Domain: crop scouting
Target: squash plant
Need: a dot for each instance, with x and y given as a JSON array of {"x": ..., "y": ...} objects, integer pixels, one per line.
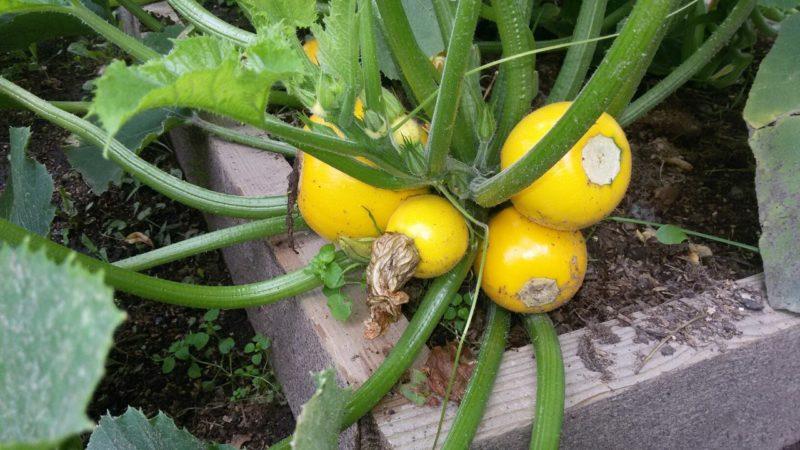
[{"x": 364, "y": 131}]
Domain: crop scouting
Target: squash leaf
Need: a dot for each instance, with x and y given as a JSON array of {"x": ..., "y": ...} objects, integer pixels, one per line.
[
  {"x": 296, "y": 13},
  {"x": 132, "y": 431},
  {"x": 772, "y": 112},
  {"x": 29, "y": 189},
  {"x": 319, "y": 423},
  {"x": 202, "y": 72},
  {"x": 56, "y": 327},
  {"x": 338, "y": 43}
]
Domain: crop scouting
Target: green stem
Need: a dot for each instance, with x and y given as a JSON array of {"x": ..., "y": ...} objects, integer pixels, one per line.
[
  {"x": 194, "y": 296},
  {"x": 214, "y": 240},
  {"x": 444, "y": 116},
  {"x": 72, "y": 107},
  {"x": 473, "y": 403},
  {"x": 405, "y": 350},
  {"x": 231, "y": 135},
  {"x": 519, "y": 76},
  {"x": 640, "y": 36},
  {"x": 373, "y": 93},
  {"x": 174, "y": 188},
  {"x": 761, "y": 23},
  {"x": 616, "y": 16},
  {"x": 144, "y": 17},
  {"x": 689, "y": 232},
  {"x": 113, "y": 34},
  {"x": 211, "y": 24},
  {"x": 576, "y": 63},
  {"x": 417, "y": 70},
  {"x": 549, "y": 413},
  {"x": 340, "y": 154},
  {"x": 691, "y": 66}
]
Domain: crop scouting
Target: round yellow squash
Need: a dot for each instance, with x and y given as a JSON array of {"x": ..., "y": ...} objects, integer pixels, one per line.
[
  {"x": 334, "y": 204},
  {"x": 585, "y": 185},
  {"x": 439, "y": 232},
  {"x": 530, "y": 268}
]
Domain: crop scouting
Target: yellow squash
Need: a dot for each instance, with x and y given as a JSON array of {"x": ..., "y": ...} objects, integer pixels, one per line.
[
  {"x": 530, "y": 268},
  {"x": 439, "y": 232},
  {"x": 334, "y": 204},
  {"x": 311, "y": 47},
  {"x": 585, "y": 185}
]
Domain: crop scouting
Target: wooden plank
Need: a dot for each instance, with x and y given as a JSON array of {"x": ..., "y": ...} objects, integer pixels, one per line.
[{"x": 724, "y": 389}]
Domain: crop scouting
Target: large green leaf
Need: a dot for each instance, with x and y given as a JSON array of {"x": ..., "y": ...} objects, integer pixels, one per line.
[
  {"x": 771, "y": 107},
  {"x": 100, "y": 172},
  {"x": 56, "y": 326},
  {"x": 775, "y": 90},
  {"x": 202, "y": 72},
  {"x": 319, "y": 423},
  {"x": 133, "y": 431},
  {"x": 296, "y": 13},
  {"x": 338, "y": 42},
  {"x": 19, "y": 31},
  {"x": 26, "y": 198}
]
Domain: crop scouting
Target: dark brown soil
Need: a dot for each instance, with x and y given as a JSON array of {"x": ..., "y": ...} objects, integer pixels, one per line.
[{"x": 132, "y": 377}]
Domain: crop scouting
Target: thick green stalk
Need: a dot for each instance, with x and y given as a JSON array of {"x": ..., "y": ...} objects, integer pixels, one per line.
[
  {"x": 519, "y": 76},
  {"x": 114, "y": 35},
  {"x": 373, "y": 93},
  {"x": 640, "y": 37},
  {"x": 616, "y": 16},
  {"x": 211, "y": 24},
  {"x": 761, "y": 23},
  {"x": 72, "y": 107},
  {"x": 144, "y": 17},
  {"x": 417, "y": 70},
  {"x": 214, "y": 240},
  {"x": 444, "y": 116},
  {"x": 405, "y": 350},
  {"x": 691, "y": 66},
  {"x": 550, "y": 382},
  {"x": 473, "y": 403},
  {"x": 229, "y": 134},
  {"x": 151, "y": 288},
  {"x": 576, "y": 63},
  {"x": 174, "y": 188}
]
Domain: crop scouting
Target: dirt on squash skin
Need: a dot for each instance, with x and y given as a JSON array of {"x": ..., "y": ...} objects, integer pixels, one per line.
[{"x": 97, "y": 225}]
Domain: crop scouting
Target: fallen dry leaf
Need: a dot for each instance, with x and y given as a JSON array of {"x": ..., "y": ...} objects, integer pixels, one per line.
[
  {"x": 138, "y": 238},
  {"x": 680, "y": 163},
  {"x": 439, "y": 366},
  {"x": 645, "y": 235},
  {"x": 696, "y": 252}
]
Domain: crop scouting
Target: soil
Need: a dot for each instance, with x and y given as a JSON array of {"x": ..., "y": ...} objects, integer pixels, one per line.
[{"x": 98, "y": 225}]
